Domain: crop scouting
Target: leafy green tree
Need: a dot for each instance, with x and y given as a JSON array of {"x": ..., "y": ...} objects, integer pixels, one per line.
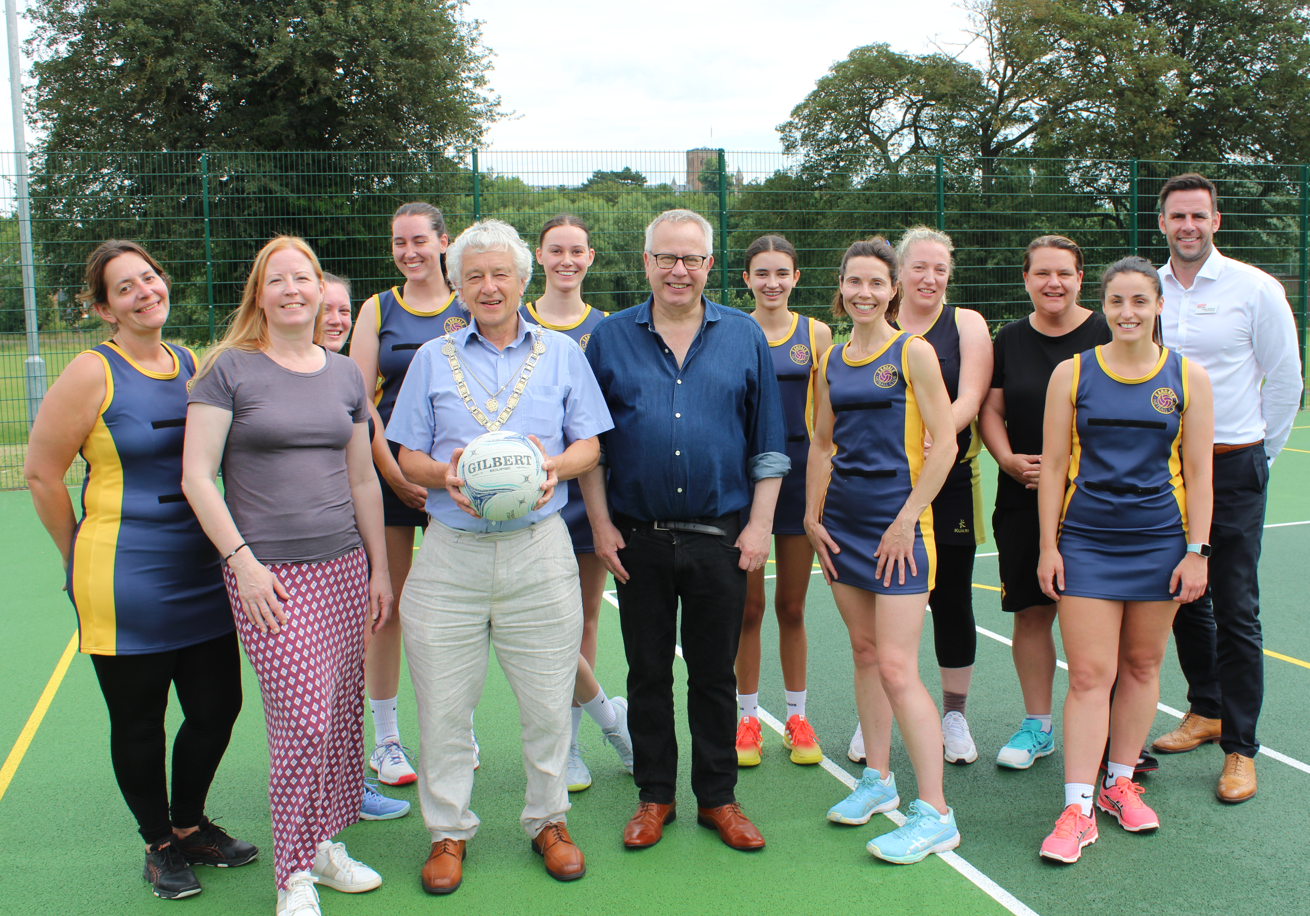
[{"x": 625, "y": 178}]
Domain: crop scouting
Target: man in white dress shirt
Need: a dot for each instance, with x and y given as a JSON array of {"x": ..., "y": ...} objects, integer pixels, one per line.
[{"x": 1234, "y": 320}]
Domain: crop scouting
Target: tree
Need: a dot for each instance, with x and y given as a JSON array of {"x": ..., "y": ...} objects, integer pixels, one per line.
[
  {"x": 173, "y": 75},
  {"x": 627, "y": 178}
]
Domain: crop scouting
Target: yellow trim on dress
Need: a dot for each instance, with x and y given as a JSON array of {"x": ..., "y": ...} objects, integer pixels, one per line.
[
  {"x": 395, "y": 291},
  {"x": 95, "y": 547},
  {"x": 1159, "y": 364},
  {"x": 795, "y": 320},
  {"x": 177, "y": 363},
  {"x": 1176, "y": 455},
  {"x": 1075, "y": 446},
  {"x": 872, "y": 356},
  {"x": 915, "y": 432},
  {"x": 812, "y": 386},
  {"x": 532, "y": 310}
]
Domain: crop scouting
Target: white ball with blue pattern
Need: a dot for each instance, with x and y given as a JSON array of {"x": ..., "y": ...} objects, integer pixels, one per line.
[{"x": 503, "y": 473}]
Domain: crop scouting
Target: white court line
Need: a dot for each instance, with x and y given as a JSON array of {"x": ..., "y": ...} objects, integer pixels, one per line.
[
  {"x": 961, "y": 865},
  {"x": 1169, "y": 710},
  {"x": 1286, "y": 524}
]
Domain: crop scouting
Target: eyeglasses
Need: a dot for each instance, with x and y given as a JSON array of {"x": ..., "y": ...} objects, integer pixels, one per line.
[{"x": 689, "y": 261}]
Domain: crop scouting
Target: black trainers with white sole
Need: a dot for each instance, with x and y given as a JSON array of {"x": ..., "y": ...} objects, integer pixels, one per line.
[
  {"x": 168, "y": 873},
  {"x": 212, "y": 845}
]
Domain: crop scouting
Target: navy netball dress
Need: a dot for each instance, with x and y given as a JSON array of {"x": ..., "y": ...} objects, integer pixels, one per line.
[
  {"x": 1123, "y": 526},
  {"x": 878, "y": 437},
  {"x": 574, "y": 512},
  {"x": 401, "y": 331},
  {"x": 957, "y": 511},
  {"x": 793, "y": 363},
  {"x": 143, "y": 575}
]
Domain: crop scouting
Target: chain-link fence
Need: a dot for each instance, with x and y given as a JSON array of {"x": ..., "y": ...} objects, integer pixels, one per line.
[{"x": 204, "y": 215}]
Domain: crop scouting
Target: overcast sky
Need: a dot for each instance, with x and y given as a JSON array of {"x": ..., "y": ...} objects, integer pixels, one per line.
[{"x": 606, "y": 75}]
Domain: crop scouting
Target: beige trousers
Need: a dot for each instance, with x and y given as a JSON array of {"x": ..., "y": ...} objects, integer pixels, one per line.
[{"x": 517, "y": 591}]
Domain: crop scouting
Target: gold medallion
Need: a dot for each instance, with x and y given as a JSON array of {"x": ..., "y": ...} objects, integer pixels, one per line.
[
  {"x": 492, "y": 405},
  {"x": 448, "y": 348}
]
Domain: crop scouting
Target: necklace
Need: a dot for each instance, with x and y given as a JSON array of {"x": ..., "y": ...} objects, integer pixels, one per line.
[
  {"x": 491, "y": 403},
  {"x": 457, "y": 371}
]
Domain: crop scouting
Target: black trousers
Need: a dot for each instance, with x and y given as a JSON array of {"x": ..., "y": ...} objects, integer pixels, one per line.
[
  {"x": 953, "y": 633},
  {"x": 1220, "y": 646},
  {"x": 208, "y": 681},
  {"x": 700, "y": 570}
]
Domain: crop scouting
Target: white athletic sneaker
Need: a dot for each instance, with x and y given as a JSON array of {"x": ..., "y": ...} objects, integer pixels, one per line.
[
  {"x": 390, "y": 760},
  {"x": 617, "y": 734},
  {"x": 957, "y": 743},
  {"x": 300, "y": 898},
  {"x": 856, "y": 750},
  {"x": 334, "y": 869},
  {"x": 576, "y": 773}
]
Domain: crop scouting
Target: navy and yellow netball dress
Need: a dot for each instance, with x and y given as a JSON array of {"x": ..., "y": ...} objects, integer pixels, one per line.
[
  {"x": 143, "y": 576},
  {"x": 957, "y": 511},
  {"x": 1123, "y": 527},
  {"x": 793, "y": 363},
  {"x": 401, "y": 331},
  {"x": 574, "y": 512},
  {"x": 878, "y": 437}
]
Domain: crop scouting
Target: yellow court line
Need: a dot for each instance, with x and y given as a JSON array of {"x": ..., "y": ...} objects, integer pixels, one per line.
[
  {"x": 34, "y": 720},
  {"x": 1301, "y": 450},
  {"x": 1277, "y": 655}
]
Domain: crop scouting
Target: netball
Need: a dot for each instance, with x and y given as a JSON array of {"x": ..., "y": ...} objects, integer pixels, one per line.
[{"x": 503, "y": 473}]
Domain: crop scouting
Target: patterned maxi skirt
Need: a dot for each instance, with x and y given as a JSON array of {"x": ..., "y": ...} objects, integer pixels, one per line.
[{"x": 311, "y": 679}]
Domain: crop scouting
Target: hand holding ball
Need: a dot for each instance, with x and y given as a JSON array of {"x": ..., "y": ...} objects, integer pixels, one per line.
[{"x": 503, "y": 473}]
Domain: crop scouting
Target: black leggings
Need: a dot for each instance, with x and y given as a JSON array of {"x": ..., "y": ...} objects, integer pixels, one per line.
[
  {"x": 208, "y": 681},
  {"x": 951, "y": 601}
]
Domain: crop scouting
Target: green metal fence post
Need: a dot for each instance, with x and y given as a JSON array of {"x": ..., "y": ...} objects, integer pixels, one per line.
[
  {"x": 1132, "y": 209},
  {"x": 1305, "y": 268},
  {"x": 477, "y": 190},
  {"x": 209, "y": 251},
  {"x": 723, "y": 227},
  {"x": 941, "y": 196}
]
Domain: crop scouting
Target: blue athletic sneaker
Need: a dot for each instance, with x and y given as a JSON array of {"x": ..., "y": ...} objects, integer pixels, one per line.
[
  {"x": 869, "y": 798},
  {"x": 1025, "y": 746},
  {"x": 922, "y": 834},
  {"x": 377, "y": 807}
]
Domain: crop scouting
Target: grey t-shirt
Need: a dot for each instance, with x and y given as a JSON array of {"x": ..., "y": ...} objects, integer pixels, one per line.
[{"x": 284, "y": 467}]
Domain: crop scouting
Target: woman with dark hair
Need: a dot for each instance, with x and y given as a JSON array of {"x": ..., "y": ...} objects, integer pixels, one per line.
[
  {"x": 299, "y": 527},
  {"x": 388, "y": 332},
  {"x": 1025, "y": 353},
  {"x": 795, "y": 344},
  {"x": 142, "y": 576},
  {"x": 1125, "y": 497},
  {"x": 868, "y": 512},
  {"x": 564, "y": 252}
]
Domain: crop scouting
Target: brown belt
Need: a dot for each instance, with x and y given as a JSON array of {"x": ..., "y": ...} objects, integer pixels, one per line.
[{"x": 1222, "y": 449}]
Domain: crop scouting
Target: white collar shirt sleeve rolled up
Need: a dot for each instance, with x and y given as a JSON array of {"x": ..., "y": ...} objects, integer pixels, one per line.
[{"x": 1236, "y": 323}]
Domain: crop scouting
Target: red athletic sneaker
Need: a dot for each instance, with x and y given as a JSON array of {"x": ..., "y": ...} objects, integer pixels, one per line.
[
  {"x": 804, "y": 744},
  {"x": 1124, "y": 803},
  {"x": 749, "y": 742},
  {"x": 1073, "y": 830}
]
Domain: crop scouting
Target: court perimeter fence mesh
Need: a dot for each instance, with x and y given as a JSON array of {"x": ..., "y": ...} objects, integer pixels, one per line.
[{"x": 204, "y": 216}]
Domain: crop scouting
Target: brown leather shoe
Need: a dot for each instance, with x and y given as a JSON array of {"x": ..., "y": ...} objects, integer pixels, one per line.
[
  {"x": 564, "y": 861},
  {"x": 1190, "y": 734},
  {"x": 1237, "y": 781},
  {"x": 646, "y": 827},
  {"x": 735, "y": 829},
  {"x": 444, "y": 869}
]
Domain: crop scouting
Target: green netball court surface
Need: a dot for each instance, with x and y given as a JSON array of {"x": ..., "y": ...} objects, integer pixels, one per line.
[{"x": 68, "y": 845}]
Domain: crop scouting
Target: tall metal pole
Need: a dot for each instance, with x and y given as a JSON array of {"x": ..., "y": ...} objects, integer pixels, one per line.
[
  {"x": 941, "y": 196},
  {"x": 723, "y": 226},
  {"x": 35, "y": 365},
  {"x": 209, "y": 246},
  {"x": 1132, "y": 209},
  {"x": 477, "y": 190},
  {"x": 1304, "y": 275}
]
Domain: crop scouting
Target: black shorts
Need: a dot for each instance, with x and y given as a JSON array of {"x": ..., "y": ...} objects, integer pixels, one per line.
[
  {"x": 1019, "y": 548},
  {"x": 395, "y": 513}
]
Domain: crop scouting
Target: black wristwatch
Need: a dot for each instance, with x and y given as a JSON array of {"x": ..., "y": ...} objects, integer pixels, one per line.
[{"x": 1202, "y": 549}]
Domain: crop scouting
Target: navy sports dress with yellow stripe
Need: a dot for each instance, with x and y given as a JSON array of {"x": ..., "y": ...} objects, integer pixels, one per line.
[
  {"x": 1123, "y": 526},
  {"x": 574, "y": 512},
  {"x": 401, "y": 331},
  {"x": 793, "y": 363},
  {"x": 143, "y": 576},
  {"x": 877, "y": 435},
  {"x": 957, "y": 510}
]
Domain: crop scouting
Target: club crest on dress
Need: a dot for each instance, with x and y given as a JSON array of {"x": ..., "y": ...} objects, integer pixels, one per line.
[
  {"x": 582, "y": 341},
  {"x": 453, "y": 324},
  {"x": 886, "y": 376},
  {"x": 800, "y": 354},
  {"x": 1164, "y": 400}
]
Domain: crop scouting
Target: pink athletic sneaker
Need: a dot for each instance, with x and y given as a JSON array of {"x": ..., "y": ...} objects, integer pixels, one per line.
[
  {"x": 1124, "y": 804},
  {"x": 1073, "y": 830}
]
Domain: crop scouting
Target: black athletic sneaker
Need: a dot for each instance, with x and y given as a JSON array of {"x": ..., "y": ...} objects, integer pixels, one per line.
[
  {"x": 211, "y": 845},
  {"x": 168, "y": 873}
]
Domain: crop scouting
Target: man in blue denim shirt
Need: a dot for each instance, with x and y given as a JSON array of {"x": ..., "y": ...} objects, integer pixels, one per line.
[{"x": 697, "y": 421}]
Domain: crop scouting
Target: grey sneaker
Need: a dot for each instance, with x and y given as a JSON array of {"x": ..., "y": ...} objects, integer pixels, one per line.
[
  {"x": 576, "y": 773},
  {"x": 617, "y": 734},
  {"x": 957, "y": 743}
]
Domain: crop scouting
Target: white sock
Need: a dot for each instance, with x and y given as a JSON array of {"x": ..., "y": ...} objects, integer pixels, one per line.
[
  {"x": 940, "y": 817},
  {"x": 601, "y": 710},
  {"x": 1080, "y": 794},
  {"x": 577, "y": 722},
  {"x": 384, "y": 720},
  {"x": 1045, "y": 720},
  {"x": 795, "y": 702},
  {"x": 1115, "y": 770},
  {"x": 886, "y": 780},
  {"x": 750, "y": 704}
]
